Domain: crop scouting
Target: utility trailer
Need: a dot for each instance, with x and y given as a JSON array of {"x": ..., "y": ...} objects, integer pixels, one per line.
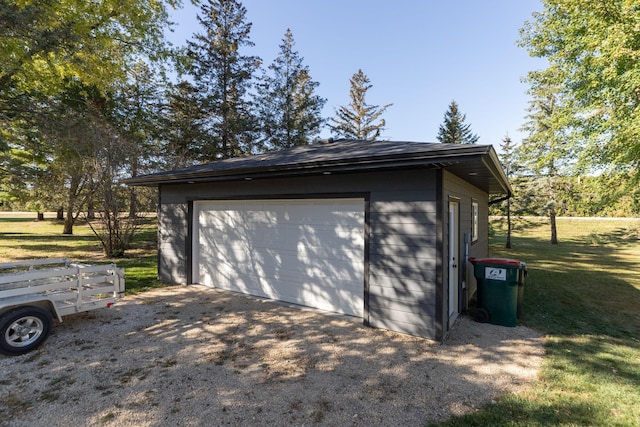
[{"x": 33, "y": 292}]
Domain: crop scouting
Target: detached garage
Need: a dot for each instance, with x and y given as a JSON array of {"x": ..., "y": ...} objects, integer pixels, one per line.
[{"x": 379, "y": 230}]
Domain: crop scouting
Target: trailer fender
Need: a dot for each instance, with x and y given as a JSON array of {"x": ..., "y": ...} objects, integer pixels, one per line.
[{"x": 47, "y": 305}]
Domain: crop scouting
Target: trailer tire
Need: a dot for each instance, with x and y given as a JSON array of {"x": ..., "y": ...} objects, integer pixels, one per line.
[{"x": 23, "y": 329}]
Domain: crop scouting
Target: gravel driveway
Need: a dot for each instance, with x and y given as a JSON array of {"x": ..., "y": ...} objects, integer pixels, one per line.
[{"x": 190, "y": 356}]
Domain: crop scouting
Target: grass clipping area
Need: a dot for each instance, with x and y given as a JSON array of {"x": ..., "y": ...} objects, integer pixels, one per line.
[{"x": 584, "y": 294}]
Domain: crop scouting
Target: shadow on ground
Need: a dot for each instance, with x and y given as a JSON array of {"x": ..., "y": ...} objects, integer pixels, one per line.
[{"x": 193, "y": 356}]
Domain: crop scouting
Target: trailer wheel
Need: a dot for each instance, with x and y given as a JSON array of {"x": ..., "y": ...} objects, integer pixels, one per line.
[{"x": 23, "y": 329}]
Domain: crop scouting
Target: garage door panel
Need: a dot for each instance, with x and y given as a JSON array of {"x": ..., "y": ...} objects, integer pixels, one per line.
[
  {"x": 308, "y": 252},
  {"x": 285, "y": 284},
  {"x": 340, "y": 278},
  {"x": 290, "y": 289},
  {"x": 287, "y": 235},
  {"x": 280, "y": 266},
  {"x": 338, "y": 262}
]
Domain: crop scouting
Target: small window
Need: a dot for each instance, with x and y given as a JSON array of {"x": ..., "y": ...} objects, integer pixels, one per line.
[{"x": 474, "y": 220}]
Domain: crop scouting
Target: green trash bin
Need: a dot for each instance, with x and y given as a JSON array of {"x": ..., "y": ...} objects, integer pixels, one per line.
[{"x": 498, "y": 289}]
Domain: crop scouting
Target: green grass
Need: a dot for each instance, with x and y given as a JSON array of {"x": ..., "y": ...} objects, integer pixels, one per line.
[
  {"x": 584, "y": 295},
  {"x": 24, "y": 238}
]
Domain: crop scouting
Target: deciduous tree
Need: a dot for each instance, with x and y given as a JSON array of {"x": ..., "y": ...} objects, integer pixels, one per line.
[
  {"x": 593, "y": 51},
  {"x": 135, "y": 112},
  {"x": 45, "y": 44},
  {"x": 56, "y": 59},
  {"x": 507, "y": 163}
]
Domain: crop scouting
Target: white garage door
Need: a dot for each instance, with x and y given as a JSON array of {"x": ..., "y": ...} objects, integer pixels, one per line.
[{"x": 308, "y": 252}]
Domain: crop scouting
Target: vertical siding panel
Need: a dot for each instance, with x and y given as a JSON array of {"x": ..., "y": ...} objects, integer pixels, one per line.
[
  {"x": 172, "y": 242},
  {"x": 402, "y": 261}
]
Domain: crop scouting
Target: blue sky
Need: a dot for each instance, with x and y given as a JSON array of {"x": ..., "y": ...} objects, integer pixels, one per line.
[{"x": 419, "y": 55}]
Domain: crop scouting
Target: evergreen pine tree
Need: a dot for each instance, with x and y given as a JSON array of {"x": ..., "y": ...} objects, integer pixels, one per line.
[
  {"x": 454, "y": 130},
  {"x": 223, "y": 75},
  {"x": 288, "y": 110},
  {"x": 135, "y": 112},
  {"x": 184, "y": 127},
  {"x": 547, "y": 151},
  {"x": 359, "y": 120},
  {"x": 507, "y": 163}
]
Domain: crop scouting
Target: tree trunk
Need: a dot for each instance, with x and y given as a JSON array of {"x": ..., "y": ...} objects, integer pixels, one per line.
[
  {"x": 91, "y": 211},
  {"x": 133, "y": 201},
  {"x": 68, "y": 223},
  {"x": 554, "y": 231},
  {"x": 552, "y": 208},
  {"x": 60, "y": 213},
  {"x": 40, "y": 216},
  {"x": 133, "y": 197},
  {"x": 71, "y": 201}
]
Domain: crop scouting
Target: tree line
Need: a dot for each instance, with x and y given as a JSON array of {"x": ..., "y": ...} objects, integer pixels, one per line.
[
  {"x": 86, "y": 99},
  {"x": 88, "y": 96}
]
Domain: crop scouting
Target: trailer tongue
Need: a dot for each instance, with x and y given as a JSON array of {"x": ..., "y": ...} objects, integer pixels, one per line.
[{"x": 32, "y": 292}]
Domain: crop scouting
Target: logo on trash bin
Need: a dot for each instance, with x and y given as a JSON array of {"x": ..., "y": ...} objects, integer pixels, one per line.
[{"x": 495, "y": 273}]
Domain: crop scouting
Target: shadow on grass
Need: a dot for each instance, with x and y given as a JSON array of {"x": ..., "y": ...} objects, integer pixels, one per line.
[
  {"x": 23, "y": 219},
  {"x": 584, "y": 295},
  {"x": 512, "y": 410},
  {"x": 616, "y": 236},
  {"x": 141, "y": 273},
  {"x": 24, "y": 238},
  {"x": 576, "y": 288},
  {"x": 39, "y": 247}
]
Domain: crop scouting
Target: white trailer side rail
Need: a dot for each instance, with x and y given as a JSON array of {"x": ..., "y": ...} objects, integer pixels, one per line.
[
  {"x": 69, "y": 287},
  {"x": 32, "y": 292}
]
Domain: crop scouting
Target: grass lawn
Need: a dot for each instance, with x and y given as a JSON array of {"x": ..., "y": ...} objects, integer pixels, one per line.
[
  {"x": 584, "y": 294},
  {"x": 23, "y": 238}
]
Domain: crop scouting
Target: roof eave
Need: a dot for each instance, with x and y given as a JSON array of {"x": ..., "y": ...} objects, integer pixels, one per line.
[
  {"x": 499, "y": 174},
  {"x": 442, "y": 159}
]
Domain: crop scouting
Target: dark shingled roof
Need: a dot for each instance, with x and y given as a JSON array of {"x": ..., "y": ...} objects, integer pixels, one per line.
[{"x": 477, "y": 164}]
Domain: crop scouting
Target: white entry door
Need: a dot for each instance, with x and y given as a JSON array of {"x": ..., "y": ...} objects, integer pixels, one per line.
[
  {"x": 308, "y": 252},
  {"x": 454, "y": 250}
]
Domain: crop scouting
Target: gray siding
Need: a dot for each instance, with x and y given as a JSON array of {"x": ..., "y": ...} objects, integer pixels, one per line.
[
  {"x": 454, "y": 187},
  {"x": 402, "y": 256},
  {"x": 402, "y": 244},
  {"x": 172, "y": 240}
]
